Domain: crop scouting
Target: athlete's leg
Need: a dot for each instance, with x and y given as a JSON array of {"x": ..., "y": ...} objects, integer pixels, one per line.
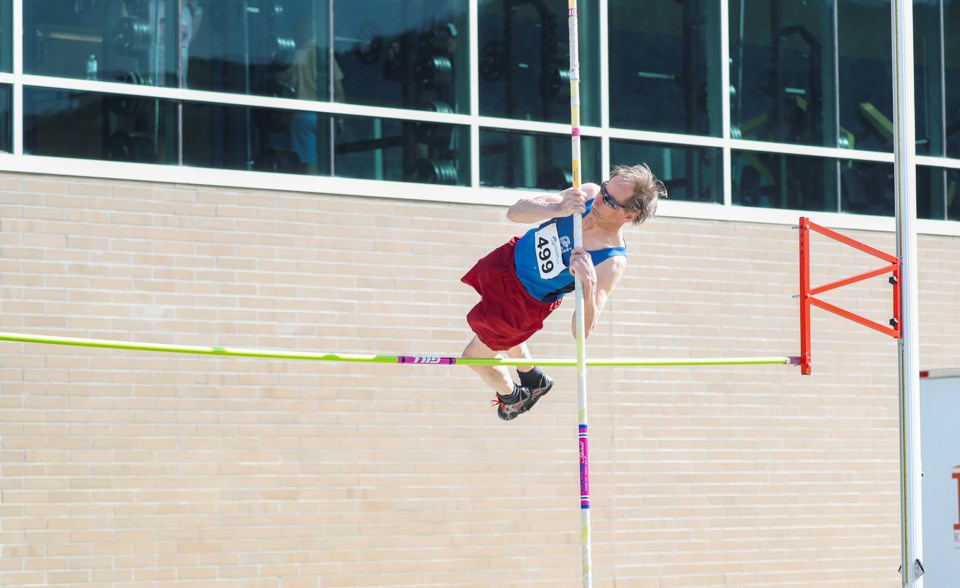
[
  {"x": 495, "y": 376},
  {"x": 521, "y": 351},
  {"x": 530, "y": 376}
]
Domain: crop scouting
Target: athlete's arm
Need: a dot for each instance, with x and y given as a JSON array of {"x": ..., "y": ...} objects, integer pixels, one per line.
[
  {"x": 598, "y": 282},
  {"x": 541, "y": 208}
]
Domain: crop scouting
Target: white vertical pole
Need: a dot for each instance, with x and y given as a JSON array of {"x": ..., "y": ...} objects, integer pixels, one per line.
[
  {"x": 581, "y": 345},
  {"x": 908, "y": 346}
]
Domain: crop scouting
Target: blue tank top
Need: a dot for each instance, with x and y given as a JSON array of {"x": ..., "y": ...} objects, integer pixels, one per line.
[{"x": 543, "y": 254}]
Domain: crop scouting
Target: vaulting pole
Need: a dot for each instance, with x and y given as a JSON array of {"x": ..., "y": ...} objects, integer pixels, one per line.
[
  {"x": 904, "y": 150},
  {"x": 581, "y": 343}
]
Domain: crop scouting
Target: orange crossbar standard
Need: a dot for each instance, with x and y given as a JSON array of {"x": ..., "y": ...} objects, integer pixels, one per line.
[{"x": 808, "y": 295}]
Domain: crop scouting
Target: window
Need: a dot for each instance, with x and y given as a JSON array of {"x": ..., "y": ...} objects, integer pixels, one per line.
[
  {"x": 525, "y": 60},
  {"x": 511, "y": 159},
  {"x": 690, "y": 173},
  {"x": 865, "y": 74},
  {"x": 664, "y": 70},
  {"x": 782, "y": 73},
  {"x": 772, "y": 180},
  {"x": 412, "y": 54},
  {"x": 6, "y": 119},
  {"x": 403, "y": 151},
  {"x": 89, "y": 125},
  {"x": 867, "y": 188},
  {"x": 928, "y": 82},
  {"x": 951, "y": 80},
  {"x": 6, "y": 35}
]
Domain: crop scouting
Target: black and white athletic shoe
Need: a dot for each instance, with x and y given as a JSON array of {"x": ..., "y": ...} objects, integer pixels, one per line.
[{"x": 521, "y": 399}]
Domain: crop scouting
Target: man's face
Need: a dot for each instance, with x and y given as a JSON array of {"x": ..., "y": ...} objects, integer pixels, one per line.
[{"x": 614, "y": 193}]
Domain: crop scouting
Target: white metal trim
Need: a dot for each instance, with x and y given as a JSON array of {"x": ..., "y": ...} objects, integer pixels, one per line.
[
  {"x": 727, "y": 156},
  {"x": 16, "y": 98},
  {"x": 482, "y": 196}
]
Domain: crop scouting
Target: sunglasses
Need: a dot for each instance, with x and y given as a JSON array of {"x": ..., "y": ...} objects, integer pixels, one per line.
[{"x": 608, "y": 199}]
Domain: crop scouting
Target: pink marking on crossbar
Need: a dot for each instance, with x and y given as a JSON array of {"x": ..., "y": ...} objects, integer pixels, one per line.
[
  {"x": 425, "y": 360},
  {"x": 576, "y": 131}
]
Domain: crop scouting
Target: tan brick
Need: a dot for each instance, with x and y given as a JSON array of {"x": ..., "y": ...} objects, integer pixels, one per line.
[{"x": 132, "y": 468}]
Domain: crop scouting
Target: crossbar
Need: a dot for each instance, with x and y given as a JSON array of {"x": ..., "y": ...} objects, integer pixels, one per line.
[{"x": 405, "y": 359}]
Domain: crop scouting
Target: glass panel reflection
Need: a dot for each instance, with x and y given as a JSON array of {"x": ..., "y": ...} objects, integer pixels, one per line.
[
  {"x": 88, "y": 125},
  {"x": 782, "y": 72},
  {"x": 667, "y": 67},
  {"x": 122, "y": 40},
  {"x": 930, "y": 192},
  {"x": 865, "y": 72},
  {"x": 268, "y": 47},
  {"x": 294, "y": 142},
  {"x": 510, "y": 159},
  {"x": 411, "y": 54},
  {"x": 773, "y": 180},
  {"x": 403, "y": 151},
  {"x": 938, "y": 193},
  {"x": 866, "y": 188},
  {"x": 6, "y": 114},
  {"x": 690, "y": 173},
  {"x": 6, "y": 35},
  {"x": 525, "y": 63},
  {"x": 951, "y": 80},
  {"x": 262, "y": 139},
  {"x": 928, "y": 78},
  {"x": 953, "y": 194}
]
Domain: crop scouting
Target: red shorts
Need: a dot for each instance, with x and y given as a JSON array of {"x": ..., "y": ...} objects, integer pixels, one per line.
[{"x": 506, "y": 315}]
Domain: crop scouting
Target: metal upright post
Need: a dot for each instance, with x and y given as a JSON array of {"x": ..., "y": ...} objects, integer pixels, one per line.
[{"x": 911, "y": 568}]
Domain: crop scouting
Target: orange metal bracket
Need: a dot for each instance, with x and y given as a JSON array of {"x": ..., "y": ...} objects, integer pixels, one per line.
[{"x": 807, "y": 294}]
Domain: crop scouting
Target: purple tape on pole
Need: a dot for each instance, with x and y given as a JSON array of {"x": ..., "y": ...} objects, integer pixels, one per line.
[
  {"x": 426, "y": 360},
  {"x": 584, "y": 468}
]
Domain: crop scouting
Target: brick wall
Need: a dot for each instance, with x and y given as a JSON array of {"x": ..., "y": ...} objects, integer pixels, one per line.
[{"x": 146, "y": 469}]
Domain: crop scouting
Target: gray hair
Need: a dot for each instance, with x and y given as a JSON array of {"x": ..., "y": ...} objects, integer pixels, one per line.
[{"x": 647, "y": 190}]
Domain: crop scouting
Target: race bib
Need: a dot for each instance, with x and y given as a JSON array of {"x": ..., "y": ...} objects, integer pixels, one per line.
[{"x": 549, "y": 252}]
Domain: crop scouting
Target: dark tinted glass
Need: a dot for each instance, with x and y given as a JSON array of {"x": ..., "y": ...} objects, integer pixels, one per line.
[
  {"x": 951, "y": 82},
  {"x": 263, "y": 139},
  {"x": 403, "y": 151},
  {"x": 284, "y": 141},
  {"x": 930, "y": 192},
  {"x": 510, "y": 159},
  {"x": 690, "y": 173},
  {"x": 928, "y": 81},
  {"x": 665, "y": 66},
  {"x": 6, "y": 36},
  {"x": 121, "y": 40},
  {"x": 953, "y": 194},
  {"x": 866, "y": 188},
  {"x": 6, "y": 114},
  {"x": 865, "y": 73},
  {"x": 410, "y": 54},
  {"x": 938, "y": 193},
  {"x": 772, "y": 180},
  {"x": 87, "y": 125},
  {"x": 525, "y": 60},
  {"x": 782, "y": 72},
  {"x": 272, "y": 48}
]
